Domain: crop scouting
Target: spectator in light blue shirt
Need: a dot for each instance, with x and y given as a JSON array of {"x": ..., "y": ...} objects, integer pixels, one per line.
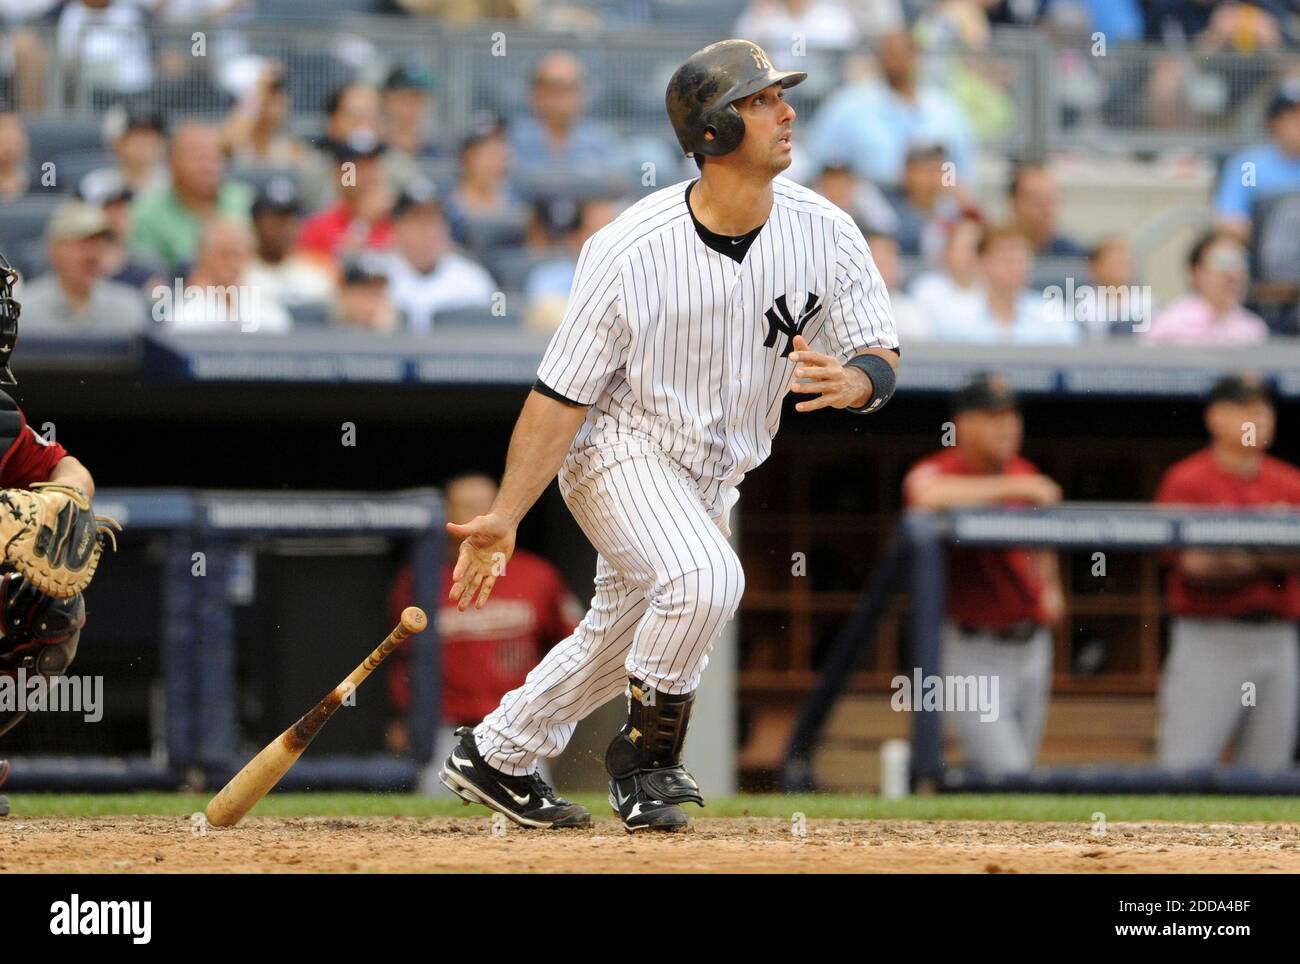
[
  {"x": 1258, "y": 172},
  {"x": 1007, "y": 311},
  {"x": 874, "y": 122},
  {"x": 555, "y": 143}
]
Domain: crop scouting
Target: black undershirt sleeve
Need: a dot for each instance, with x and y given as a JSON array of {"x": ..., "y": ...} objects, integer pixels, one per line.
[{"x": 545, "y": 389}]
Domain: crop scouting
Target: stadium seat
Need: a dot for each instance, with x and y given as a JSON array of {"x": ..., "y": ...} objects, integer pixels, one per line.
[
  {"x": 320, "y": 11},
  {"x": 51, "y": 138},
  {"x": 71, "y": 167},
  {"x": 309, "y": 316},
  {"x": 510, "y": 266},
  {"x": 473, "y": 318},
  {"x": 483, "y": 236},
  {"x": 258, "y": 177},
  {"x": 24, "y": 219}
]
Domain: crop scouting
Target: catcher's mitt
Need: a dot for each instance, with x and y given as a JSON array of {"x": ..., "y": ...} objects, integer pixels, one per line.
[{"x": 50, "y": 536}]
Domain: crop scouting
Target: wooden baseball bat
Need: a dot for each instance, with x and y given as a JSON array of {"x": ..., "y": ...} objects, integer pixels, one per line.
[{"x": 264, "y": 771}]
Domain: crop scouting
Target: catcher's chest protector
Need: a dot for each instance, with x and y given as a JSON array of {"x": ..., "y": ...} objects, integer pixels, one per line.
[{"x": 11, "y": 424}]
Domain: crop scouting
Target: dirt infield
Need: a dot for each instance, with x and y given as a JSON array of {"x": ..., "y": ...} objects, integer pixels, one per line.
[{"x": 749, "y": 845}]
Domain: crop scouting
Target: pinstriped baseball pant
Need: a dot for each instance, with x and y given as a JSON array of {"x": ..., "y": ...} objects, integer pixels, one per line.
[{"x": 667, "y": 582}]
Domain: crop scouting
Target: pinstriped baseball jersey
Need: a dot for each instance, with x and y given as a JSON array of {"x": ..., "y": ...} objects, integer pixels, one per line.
[{"x": 673, "y": 343}]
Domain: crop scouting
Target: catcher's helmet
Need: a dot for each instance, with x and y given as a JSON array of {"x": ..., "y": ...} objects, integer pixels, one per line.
[
  {"x": 702, "y": 92},
  {"x": 9, "y": 312}
]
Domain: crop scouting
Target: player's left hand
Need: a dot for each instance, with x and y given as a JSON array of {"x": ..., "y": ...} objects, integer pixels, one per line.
[
  {"x": 834, "y": 384},
  {"x": 488, "y": 543}
]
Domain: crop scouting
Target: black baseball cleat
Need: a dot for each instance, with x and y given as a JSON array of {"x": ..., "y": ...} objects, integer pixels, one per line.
[
  {"x": 528, "y": 801},
  {"x": 637, "y": 808}
]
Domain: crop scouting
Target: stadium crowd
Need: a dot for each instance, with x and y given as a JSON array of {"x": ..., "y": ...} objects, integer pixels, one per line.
[{"x": 369, "y": 214}]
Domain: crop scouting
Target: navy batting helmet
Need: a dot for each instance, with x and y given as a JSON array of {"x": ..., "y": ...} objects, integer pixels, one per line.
[{"x": 703, "y": 91}]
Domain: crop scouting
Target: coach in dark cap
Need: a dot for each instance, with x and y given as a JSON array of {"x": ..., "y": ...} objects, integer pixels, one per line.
[
  {"x": 1230, "y": 677},
  {"x": 1002, "y": 602}
]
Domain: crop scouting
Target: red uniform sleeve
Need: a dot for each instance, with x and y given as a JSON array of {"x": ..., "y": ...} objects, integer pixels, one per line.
[
  {"x": 562, "y": 610},
  {"x": 29, "y": 459}
]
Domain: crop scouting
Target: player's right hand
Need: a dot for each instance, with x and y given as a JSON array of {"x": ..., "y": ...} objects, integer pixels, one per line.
[{"x": 489, "y": 542}]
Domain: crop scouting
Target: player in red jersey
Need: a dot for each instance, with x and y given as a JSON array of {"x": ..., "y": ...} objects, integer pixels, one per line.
[
  {"x": 40, "y": 633},
  {"x": 485, "y": 652},
  {"x": 1001, "y": 602},
  {"x": 1232, "y": 667}
]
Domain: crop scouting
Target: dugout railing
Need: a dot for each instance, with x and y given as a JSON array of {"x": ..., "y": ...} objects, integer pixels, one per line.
[
  {"x": 916, "y": 559},
  {"x": 204, "y": 534}
]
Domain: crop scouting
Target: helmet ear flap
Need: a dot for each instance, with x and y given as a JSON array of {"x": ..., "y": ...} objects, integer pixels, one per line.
[{"x": 728, "y": 129}]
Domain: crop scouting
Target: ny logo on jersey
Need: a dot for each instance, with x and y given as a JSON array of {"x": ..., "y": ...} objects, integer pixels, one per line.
[{"x": 780, "y": 320}]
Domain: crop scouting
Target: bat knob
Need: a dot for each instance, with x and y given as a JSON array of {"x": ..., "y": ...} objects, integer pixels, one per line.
[{"x": 414, "y": 620}]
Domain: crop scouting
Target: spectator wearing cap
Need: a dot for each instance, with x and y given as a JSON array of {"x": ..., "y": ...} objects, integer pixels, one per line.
[
  {"x": 352, "y": 110},
  {"x": 910, "y": 322},
  {"x": 168, "y": 221},
  {"x": 954, "y": 290},
  {"x": 75, "y": 296},
  {"x": 1212, "y": 314},
  {"x": 1264, "y": 170},
  {"x": 1035, "y": 206},
  {"x": 218, "y": 294},
  {"x": 407, "y": 102},
  {"x": 1001, "y": 602},
  {"x": 279, "y": 267},
  {"x": 361, "y": 218},
  {"x": 363, "y": 301},
  {"x": 15, "y": 178},
  {"x": 556, "y": 140},
  {"x": 1008, "y": 312},
  {"x": 483, "y": 209},
  {"x": 425, "y": 275},
  {"x": 138, "y": 140},
  {"x": 105, "y": 189},
  {"x": 874, "y": 121},
  {"x": 255, "y": 134},
  {"x": 547, "y": 287},
  {"x": 922, "y": 202},
  {"x": 1233, "y": 630}
]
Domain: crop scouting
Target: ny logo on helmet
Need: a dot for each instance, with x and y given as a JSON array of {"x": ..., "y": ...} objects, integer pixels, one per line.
[
  {"x": 760, "y": 58},
  {"x": 779, "y": 320}
]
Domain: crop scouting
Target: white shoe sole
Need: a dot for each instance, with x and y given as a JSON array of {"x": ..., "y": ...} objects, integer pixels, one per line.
[{"x": 458, "y": 785}]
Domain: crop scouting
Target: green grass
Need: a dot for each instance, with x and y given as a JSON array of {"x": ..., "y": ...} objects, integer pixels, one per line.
[{"x": 1020, "y": 807}]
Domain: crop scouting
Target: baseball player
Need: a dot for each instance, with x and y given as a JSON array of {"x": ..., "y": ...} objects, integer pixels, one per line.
[
  {"x": 691, "y": 316},
  {"x": 1001, "y": 602},
  {"x": 40, "y": 632},
  {"x": 1232, "y": 664}
]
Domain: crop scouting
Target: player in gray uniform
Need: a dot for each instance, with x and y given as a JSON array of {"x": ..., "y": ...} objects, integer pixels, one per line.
[{"x": 691, "y": 317}]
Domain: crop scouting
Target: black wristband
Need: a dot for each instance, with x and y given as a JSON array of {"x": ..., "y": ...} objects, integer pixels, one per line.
[{"x": 883, "y": 380}]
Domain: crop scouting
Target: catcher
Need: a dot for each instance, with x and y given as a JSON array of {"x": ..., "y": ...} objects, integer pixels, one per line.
[{"x": 49, "y": 537}]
